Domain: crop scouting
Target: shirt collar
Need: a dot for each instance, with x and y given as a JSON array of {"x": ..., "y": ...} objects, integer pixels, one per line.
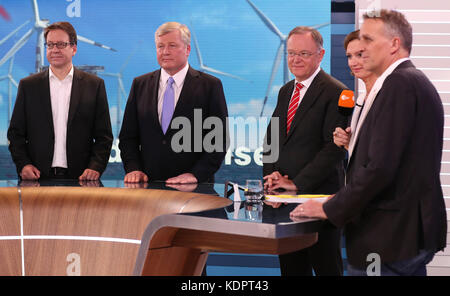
[
  {"x": 69, "y": 75},
  {"x": 380, "y": 80},
  {"x": 307, "y": 82},
  {"x": 178, "y": 77}
]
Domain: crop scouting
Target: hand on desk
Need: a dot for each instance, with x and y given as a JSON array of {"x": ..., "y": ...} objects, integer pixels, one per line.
[
  {"x": 29, "y": 183},
  {"x": 30, "y": 172},
  {"x": 277, "y": 181},
  {"x": 89, "y": 183},
  {"x": 311, "y": 209},
  {"x": 89, "y": 175},
  {"x": 135, "y": 177},
  {"x": 183, "y": 187},
  {"x": 135, "y": 185},
  {"x": 186, "y": 178}
]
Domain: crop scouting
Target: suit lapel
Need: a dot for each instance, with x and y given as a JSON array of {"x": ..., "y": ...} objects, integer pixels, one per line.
[
  {"x": 185, "y": 101},
  {"x": 44, "y": 96},
  {"x": 75, "y": 95},
  {"x": 153, "y": 87},
  {"x": 307, "y": 101}
]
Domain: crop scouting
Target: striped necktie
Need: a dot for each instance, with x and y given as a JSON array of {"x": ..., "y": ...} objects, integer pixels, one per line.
[{"x": 293, "y": 105}]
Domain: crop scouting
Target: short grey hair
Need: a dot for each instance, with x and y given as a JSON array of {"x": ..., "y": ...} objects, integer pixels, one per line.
[
  {"x": 317, "y": 37},
  {"x": 396, "y": 25},
  {"x": 172, "y": 26}
]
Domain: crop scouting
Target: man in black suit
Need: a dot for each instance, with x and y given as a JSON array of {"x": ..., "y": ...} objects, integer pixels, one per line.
[
  {"x": 152, "y": 145},
  {"x": 307, "y": 110},
  {"x": 392, "y": 206},
  {"x": 60, "y": 126}
]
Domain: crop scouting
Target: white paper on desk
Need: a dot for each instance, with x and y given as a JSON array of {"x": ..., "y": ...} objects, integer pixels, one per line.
[{"x": 296, "y": 198}]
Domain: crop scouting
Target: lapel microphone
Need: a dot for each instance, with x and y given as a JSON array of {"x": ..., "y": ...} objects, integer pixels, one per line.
[{"x": 346, "y": 102}]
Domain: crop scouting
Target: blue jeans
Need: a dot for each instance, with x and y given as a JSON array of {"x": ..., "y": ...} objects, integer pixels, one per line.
[{"x": 415, "y": 266}]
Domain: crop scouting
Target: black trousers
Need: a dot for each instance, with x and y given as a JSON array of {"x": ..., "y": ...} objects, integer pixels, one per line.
[{"x": 324, "y": 257}]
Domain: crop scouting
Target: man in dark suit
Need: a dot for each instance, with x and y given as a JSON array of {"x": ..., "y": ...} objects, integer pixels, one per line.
[
  {"x": 60, "y": 126},
  {"x": 152, "y": 144},
  {"x": 307, "y": 110},
  {"x": 392, "y": 205}
]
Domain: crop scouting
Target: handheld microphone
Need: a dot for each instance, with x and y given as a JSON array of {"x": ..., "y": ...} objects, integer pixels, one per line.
[{"x": 346, "y": 102}]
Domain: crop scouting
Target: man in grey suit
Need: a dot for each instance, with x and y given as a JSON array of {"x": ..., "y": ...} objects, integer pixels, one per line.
[
  {"x": 392, "y": 206},
  {"x": 308, "y": 113},
  {"x": 159, "y": 99},
  {"x": 60, "y": 126}
]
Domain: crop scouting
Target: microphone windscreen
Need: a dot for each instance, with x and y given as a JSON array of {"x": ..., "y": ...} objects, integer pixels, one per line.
[{"x": 346, "y": 102}]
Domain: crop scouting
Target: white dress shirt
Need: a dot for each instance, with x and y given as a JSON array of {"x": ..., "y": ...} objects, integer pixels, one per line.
[
  {"x": 177, "y": 87},
  {"x": 306, "y": 84},
  {"x": 60, "y": 99}
]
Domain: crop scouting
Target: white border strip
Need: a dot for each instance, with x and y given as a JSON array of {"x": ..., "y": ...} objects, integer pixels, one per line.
[
  {"x": 22, "y": 248},
  {"x": 72, "y": 237}
]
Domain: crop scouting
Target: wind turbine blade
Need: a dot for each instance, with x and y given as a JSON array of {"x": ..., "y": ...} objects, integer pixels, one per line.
[
  {"x": 13, "y": 32},
  {"x": 211, "y": 70},
  {"x": 92, "y": 42},
  {"x": 13, "y": 81},
  {"x": 36, "y": 10},
  {"x": 267, "y": 21},
  {"x": 197, "y": 48},
  {"x": 17, "y": 46},
  {"x": 317, "y": 27},
  {"x": 275, "y": 66},
  {"x": 109, "y": 74},
  {"x": 129, "y": 57},
  {"x": 122, "y": 89}
]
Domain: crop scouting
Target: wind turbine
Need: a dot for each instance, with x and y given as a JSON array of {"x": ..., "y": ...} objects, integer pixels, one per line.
[
  {"x": 11, "y": 82},
  {"x": 120, "y": 88},
  {"x": 281, "y": 52},
  {"x": 39, "y": 26},
  {"x": 205, "y": 68}
]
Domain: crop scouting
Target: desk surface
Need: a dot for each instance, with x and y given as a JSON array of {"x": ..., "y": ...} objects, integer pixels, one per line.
[
  {"x": 231, "y": 227},
  {"x": 238, "y": 211}
]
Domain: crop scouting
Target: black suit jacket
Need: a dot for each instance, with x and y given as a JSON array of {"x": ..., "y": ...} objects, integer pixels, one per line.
[
  {"x": 143, "y": 145},
  {"x": 308, "y": 154},
  {"x": 392, "y": 204},
  {"x": 89, "y": 136}
]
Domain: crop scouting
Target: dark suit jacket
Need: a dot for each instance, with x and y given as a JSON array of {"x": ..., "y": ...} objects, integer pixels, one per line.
[
  {"x": 392, "y": 204},
  {"x": 89, "y": 136},
  {"x": 308, "y": 154},
  {"x": 143, "y": 145}
]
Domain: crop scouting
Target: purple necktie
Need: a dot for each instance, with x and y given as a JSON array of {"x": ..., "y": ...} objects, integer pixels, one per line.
[{"x": 168, "y": 105}]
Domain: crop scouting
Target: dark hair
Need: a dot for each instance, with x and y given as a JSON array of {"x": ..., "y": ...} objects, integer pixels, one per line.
[
  {"x": 396, "y": 25},
  {"x": 350, "y": 37},
  {"x": 66, "y": 27}
]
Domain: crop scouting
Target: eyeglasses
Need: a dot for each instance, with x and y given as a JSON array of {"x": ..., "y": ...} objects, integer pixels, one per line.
[
  {"x": 303, "y": 54},
  {"x": 59, "y": 44}
]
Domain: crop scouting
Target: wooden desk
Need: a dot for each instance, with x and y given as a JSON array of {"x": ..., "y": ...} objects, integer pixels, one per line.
[{"x": 59, "y": 230}]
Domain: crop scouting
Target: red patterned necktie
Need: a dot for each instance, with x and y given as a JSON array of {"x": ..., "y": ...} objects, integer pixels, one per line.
[{"x": 293, "y": 105}]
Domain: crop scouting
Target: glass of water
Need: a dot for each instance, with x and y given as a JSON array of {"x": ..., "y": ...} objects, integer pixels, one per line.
[{"x": 254, "y": 190}]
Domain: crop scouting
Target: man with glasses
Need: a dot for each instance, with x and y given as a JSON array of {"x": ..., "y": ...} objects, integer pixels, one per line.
[
  {"x": 60, "y": 127},
  {"x": 308, "y": 161}
]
